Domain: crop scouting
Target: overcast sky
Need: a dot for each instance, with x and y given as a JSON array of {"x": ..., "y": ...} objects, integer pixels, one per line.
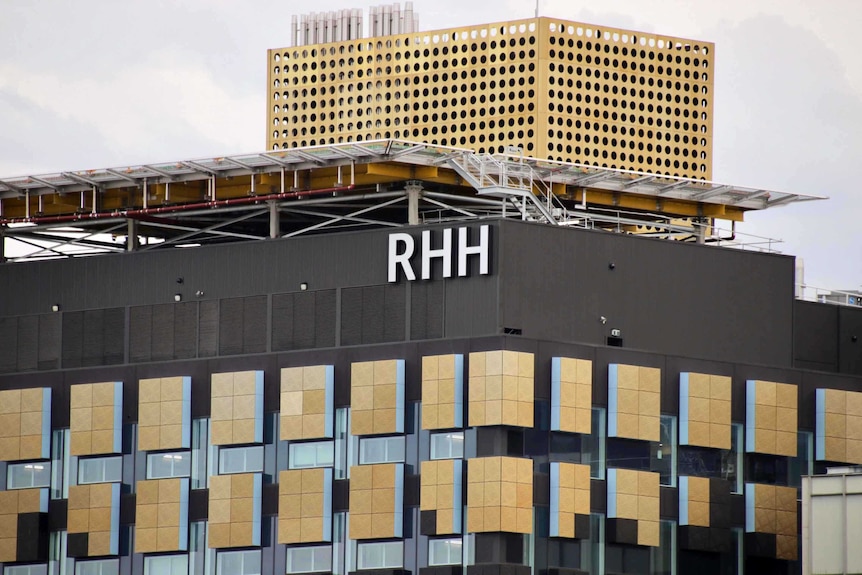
[{"x": 95, "y": 84}]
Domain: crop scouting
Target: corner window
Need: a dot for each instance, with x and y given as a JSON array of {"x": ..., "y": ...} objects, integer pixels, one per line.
[
  {"x": 449, "y": 445},
  {"x": 381, "y": 449},
  {"x": 60, "y": 457},
  {"x": 166, "y": 465},
  {"x": 98, "y": 567},
  {"x": 663, "y": 557},
  {"x": 238, "y": 562},
  {"x": 383, "y": 555},
  {"x": 27, "y": 475},
  {"x": 316, "y": 559},
  {"x": 593, "y": 445},
  {"x": 166, "y": 565},
  {"x": 100, "y": 470},
  {"x": 240, "y": 459},
  {"x": 444, "y": 551},
  {"x": 313, "y": 454}
]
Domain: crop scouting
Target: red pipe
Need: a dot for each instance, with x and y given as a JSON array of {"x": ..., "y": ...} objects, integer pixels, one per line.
[{"x": 169, "y": 209}]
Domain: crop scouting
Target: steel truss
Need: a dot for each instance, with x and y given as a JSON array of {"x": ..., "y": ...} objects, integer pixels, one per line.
[{"x": 386, "y": 183}]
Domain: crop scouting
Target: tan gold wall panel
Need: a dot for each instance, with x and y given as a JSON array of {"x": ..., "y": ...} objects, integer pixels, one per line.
[
  {"x": 561, "y": 90},
  {"x": 501, "y": 388},
  {"x": 96, "y": 418},
  {"x": 770, "y": 418},
  {"x": 237, "y": 408},
  {"x": 571, "y": 395},
  {"x": 164, "y": 413},
  {"x": 694, "y": 501},
  {"x": 499, "y": 495},
  {"x": 441, "y": 492},
  {"x": 377, "y": 397},
  {"x": 839, "y": 426},
  {"x": 235, "y": 510},
  {"x": 307, "y": 408},
  {"x": 12, "y": 504},
  {"x": 95, "y": 510},
  {"x": 443, "y": 391},
  {"x": 25, "y": 424},
  {"x": 376, "y": 501},
  {"x": 771, "y": 510},
  {"x": 305, "y": 506},
  {"x": 570, "y": 500},
  {"x": 704, "y": 410},
  {"x": 162, "y": 515},
  {"x": 634, "y": 495},
  {"x": 634, "y": 402}
]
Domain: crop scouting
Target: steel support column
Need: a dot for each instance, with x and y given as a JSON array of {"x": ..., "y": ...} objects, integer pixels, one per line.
[
  {"x": 414, "y": 193},
  {"x": 274, "y": 222},
  {"x": 132, "y": 235}
]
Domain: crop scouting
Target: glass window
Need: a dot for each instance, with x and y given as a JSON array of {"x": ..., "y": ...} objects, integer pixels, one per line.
[
  {"x": 803, "y": 463},
  {"x": 444, "y": 551},
  {"x": 314, "y": 454},
  {"x": 663, "y": 558},
  {"x": 731, "y": 461},
  {"x": 238, "y": 562},
  {"x": 25, "y": 570},
  {"x": 57, "y": 560},
  {"x": 200, "y": 443},
  {"x": 381, "y": 449},
  {"x": 166, "y": 565},
  {"x": 100, "y": 470},
  {"x": 60, "y": 464},
  {"x": 388, "y": 555},
  {"x": 449, "y": 445},
  {"x": 663, "y": 453},
  {"x": 98, "y": 567},
  {"x": 24, "y": 475},
  {"x": 240, "y": 459},
  {"x": 316, "y": 559},
  {"x": 593, "y": 550},
  {"x": 342, "y": 421},
  {"x": 165, "y": 465},
  {"x": 593, "y": 445}
]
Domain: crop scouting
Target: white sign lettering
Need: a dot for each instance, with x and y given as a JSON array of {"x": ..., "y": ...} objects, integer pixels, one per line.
[{"x": 402, "y": 248}]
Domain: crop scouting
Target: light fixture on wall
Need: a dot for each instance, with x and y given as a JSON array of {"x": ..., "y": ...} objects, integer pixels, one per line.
[
  {"x": 303, "y": 286},
  {"x": 55, "y": 307},
  {"x": 178, "y": 297}
]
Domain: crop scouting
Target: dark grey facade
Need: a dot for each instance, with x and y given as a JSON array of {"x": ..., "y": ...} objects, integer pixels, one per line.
[{"x": 551, "y": 292}]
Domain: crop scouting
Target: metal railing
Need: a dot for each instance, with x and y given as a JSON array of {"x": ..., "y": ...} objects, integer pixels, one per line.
[{"x": 822, "y": 295}]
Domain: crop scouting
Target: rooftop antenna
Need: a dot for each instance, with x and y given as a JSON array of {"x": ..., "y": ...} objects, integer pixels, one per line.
[{"x": 537, "y": 8}]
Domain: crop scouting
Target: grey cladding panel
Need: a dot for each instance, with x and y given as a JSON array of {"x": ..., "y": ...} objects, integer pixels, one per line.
[
  {"x": 208, "y": 330},
  {"x": 163, "y": 332},
  {"x": 28, "y": 343},
  {"x": 813, "y": 327},
  {"x": 8, "y": 344},
  {"x": 49, "y": 341},
  {"x": 557, "y": 284},
  {"x": 230, "y": 326},
  {"x": 303, "y": 320},
  {"x": 185, "y": 330},
  {"x": 140, "y": 333},
  {"x": 254, "y": 324}
]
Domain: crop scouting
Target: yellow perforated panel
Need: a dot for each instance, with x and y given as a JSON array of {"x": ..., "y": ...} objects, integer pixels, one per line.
[
  {"x": 304, "y": 506},
  {"x": 561, "y": 90}
]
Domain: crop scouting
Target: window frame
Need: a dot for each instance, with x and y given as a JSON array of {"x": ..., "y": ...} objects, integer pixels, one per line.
[
  {"x": 222, "y": 450},
  {"x": 294, "y": 446},
  {"x": 39, "y": 466},
  {"x": 447, "y": 541},
  {"x": 104, "y": 460},
  {"x": 312, "y": 550},
  {"x": 244, "y": 553},
  {"x": 599, "y": 435},
  {"x": 41, "y": 569},
  {"x": 173, "y": 454},
  {"x": 385, "y": 545},
  {"x": 388, "y": 455},
  {"x": 152, "y": 558},
  {"x": 450, "y": 441},
  {"x": 101, "y": 562}
]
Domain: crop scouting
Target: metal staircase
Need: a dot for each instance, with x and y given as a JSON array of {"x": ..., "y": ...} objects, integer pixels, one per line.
[{"x": 515, "y": 183}]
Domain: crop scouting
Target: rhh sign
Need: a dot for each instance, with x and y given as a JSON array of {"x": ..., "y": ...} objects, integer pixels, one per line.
[{"x": 402, "y": 248}]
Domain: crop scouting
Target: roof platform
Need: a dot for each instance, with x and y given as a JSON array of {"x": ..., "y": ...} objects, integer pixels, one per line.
[{"x": 392, "y": 183}]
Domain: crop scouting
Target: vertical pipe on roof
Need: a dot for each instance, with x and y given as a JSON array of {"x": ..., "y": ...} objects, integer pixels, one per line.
[
  {"x": 293, "y": 20},
  {"x": 386, "y": 29}
]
